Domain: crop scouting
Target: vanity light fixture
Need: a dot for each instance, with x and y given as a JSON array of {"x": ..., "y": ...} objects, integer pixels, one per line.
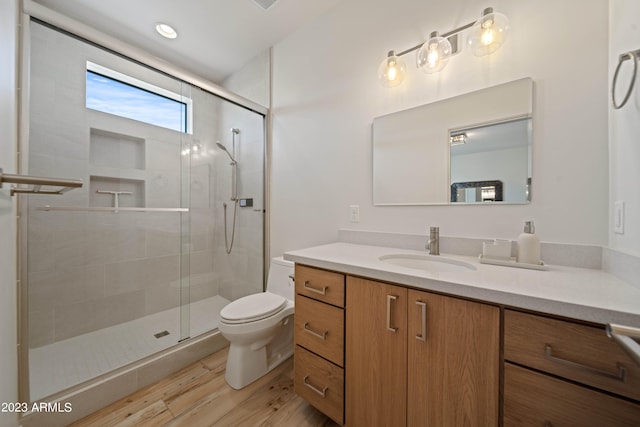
[
  {"x": 458, "y": 139},
  {"x": 392, "y": 70},
  {"x": 487, "y": 35},
  {"x": 166, "y": 30},
  {"x": 434, "y": 54}
]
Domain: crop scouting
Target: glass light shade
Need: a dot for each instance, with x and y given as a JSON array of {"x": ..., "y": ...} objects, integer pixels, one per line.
[
  {"x": 433, "y": 55},
  {"x": 488, "y": 34},
  {"x": 392, "y": 70}
]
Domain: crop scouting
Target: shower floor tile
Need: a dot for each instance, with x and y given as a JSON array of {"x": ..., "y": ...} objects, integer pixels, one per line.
[{"x": 63, "y": 364}]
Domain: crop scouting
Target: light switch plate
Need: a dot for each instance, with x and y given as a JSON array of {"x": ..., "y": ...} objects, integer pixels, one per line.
[{"x": 354, "y": 213}]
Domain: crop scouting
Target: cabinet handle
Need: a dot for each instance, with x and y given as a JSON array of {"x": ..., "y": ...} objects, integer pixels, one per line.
[
  {"x": 620, "y": 375},
  {"x": 389, "y": 299},
  {"x": 548, "y": 424},
  {"x": 322, "y": 392},
  {"x": 322, "y": 291},
  {"x": 423, "y": 336},
  {"x": 321, "y": 335}
]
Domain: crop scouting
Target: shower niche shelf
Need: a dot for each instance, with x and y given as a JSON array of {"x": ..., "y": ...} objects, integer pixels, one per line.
[
  {"x": 114, "y": 150},
  {"x": 111, "y": 192}
]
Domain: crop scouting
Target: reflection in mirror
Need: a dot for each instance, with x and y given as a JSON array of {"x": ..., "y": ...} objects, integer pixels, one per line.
[
  {"x": 476, "y": 191},
  {"x": 491, "y": 163},
  {"x": 415, "y": 163}
]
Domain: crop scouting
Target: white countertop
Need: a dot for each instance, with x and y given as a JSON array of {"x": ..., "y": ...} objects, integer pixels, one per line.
[{"x": 579, "y": 293}]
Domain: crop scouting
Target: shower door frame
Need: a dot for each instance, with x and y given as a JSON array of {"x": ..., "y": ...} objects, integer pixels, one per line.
[{"x": 90, "y": 35}]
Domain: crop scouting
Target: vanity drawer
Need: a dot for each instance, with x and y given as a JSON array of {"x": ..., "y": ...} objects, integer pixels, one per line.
[
  {"x": 320, "y": 383},
  {"x": 534, "y": 399},
  {"x": 320, "y": 328},
  {"x": 321, "y": 285},
  {"x": 578, "y": 352}
]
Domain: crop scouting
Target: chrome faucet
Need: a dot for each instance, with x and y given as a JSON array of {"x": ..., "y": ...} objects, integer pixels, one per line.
[{"x": 433, "y": 244}]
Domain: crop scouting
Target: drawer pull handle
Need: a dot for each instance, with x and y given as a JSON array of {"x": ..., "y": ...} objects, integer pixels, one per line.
[
  {"x": 423, "y": 336},
  {"x": 321, "y": 335},
  {"x": 620, "y": 375},
  {"x": 322, "y": 392},
  {"x": 389, "y": 299},
  {"x": 322, "y": 291}
]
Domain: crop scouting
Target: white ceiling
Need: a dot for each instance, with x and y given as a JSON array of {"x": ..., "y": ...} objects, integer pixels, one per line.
[{"x": 215, "y": 37}]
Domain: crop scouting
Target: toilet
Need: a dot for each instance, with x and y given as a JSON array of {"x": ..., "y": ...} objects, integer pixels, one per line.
[{"x": 259, "y": 327}]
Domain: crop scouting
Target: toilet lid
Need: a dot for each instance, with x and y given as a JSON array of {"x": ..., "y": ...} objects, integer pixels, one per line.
[{"x": 252, "y": 307}]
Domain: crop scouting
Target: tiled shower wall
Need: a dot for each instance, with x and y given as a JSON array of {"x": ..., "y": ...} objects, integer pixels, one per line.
[{"x": 89, "y": 270}]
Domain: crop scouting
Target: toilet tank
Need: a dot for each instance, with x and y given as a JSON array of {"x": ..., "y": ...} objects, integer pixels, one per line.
[{"x": 279, "y": 281}]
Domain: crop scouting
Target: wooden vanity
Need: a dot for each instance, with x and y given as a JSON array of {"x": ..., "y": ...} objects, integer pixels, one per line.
[{"x": 373, "y": 353}]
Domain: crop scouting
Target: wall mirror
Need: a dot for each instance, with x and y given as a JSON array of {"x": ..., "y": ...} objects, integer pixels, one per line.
[{"x": 472, "y": 148}]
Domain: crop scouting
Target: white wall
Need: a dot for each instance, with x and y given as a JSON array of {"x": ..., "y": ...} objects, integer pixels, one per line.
[
  {"x": 624, "y": 126},
  {"x": 252, "y": 80},
  {"x": 326, "y": 93},
  {"x": 8, "y": 131}
]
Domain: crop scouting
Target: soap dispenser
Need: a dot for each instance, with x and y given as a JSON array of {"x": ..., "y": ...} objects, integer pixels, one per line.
[{"x": 528, "y": 245}]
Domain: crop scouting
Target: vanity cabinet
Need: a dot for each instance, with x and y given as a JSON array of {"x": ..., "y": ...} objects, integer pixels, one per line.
[
  {"x": 559, "y": 372},
  {"x": 319, "y": 339},
  {"x": 416, "y": 358}
]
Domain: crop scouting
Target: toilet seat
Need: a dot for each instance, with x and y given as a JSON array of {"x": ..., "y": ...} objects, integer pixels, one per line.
[{"x": 252, "y": 308}]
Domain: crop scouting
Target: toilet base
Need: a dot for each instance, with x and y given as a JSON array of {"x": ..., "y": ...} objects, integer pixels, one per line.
[{"x": 248, "y": 362}]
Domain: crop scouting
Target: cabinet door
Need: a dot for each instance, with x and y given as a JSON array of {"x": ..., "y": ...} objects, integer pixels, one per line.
[
  {"x": 453, "y": 361},
  {"x": 376, "y": 346}
]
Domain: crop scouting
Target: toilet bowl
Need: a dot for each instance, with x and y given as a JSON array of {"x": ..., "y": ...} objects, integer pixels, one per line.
[{"x": 259, "y": 327}]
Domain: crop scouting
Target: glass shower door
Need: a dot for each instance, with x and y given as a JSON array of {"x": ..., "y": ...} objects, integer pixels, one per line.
[{"x": 106, "y": 267}]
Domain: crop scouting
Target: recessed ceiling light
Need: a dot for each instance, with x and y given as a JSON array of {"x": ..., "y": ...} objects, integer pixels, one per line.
[{"x": 166, "y": 30}]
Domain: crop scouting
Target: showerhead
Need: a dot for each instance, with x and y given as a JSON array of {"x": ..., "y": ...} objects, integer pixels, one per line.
[
  {"x": 223, "y": 148},
  {"x": 235, "y": 130}
]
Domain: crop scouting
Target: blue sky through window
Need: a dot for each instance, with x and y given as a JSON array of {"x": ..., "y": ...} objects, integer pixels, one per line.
[{"x": 121, "y": 99}]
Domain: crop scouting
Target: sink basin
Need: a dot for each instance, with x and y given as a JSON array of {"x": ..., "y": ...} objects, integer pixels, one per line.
[{"x": 432, "y": 263}]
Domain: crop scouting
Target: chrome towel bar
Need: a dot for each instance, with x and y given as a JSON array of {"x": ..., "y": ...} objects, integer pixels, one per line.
[
  {"x": 37, "y": 182},
  {"x": 634, "y": 56},
  {"x": 627, "y": 337}
]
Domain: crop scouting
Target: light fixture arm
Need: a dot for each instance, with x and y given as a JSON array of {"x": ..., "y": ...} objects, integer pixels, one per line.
[
  {"x": 448, "y": 34},
  {"x": 445, "y": 35}
]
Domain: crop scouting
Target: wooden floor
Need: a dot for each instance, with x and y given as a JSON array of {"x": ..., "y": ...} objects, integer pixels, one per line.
[{"x": 199, "y": 396}]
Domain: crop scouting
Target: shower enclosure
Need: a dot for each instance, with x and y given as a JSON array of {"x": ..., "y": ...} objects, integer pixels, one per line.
[{"x": 135, "y": 261}]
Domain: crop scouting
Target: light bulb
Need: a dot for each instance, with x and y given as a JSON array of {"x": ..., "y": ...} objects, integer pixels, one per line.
[
  {"x": 166, "y": 30},
  {"x": 489, "y": 33},
  {"x": 487, "y": 37},
  {"x": 392, "y": 70},
  {"x": 434, "y": 54}
]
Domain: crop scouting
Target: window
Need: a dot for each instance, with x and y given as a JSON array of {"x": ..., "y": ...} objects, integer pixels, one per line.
[{"x": 115, "y": 93}]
